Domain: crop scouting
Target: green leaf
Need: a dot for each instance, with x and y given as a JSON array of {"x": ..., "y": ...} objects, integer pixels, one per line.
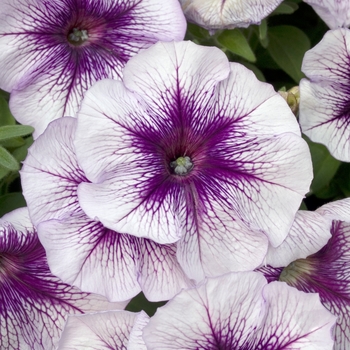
[
  {"x": 3, "y": 172},
  {"x": 236, "y": 42},
  {"x": 286, "y": 8},
  {"x": 20, "y": 153},
  {"x": 11, "y": 201},
  {"x": 197, "y": 32},
  {"x": 264, "y": 41},
  {"x": 140, "y": 302},
  {"x": 11, "y": 131},
  {"x": 13, "y": 143},
  {"x": 325, "y": 167},
  {"x": 287, "y": 46},
  {"x": 6, "y": 117},
  {"x": 7, "y": 160}
]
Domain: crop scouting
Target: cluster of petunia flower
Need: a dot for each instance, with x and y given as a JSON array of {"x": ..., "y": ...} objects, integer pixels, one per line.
[{"x": 161, "y": 167}]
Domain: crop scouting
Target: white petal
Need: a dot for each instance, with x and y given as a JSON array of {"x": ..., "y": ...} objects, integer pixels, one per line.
[
  {"x": 294, "y": 320},
  {"x": 336, "y": 13},
  {"x": 222, "y": 312},
  {"x": 85, "y": 254},
  {"x": 99, "y": 331},
  {"x": 337, "y": 210},
  {"x": 309, "y": 233},
  {"x": 50, "y": 174},
  {"x": 218, "y": 14}
]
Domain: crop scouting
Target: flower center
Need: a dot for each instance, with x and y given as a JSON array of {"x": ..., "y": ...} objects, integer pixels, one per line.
[
  {"x": 295, "y": 271},
  {"x": 182, "y": 165},
  {"x": 78, "y": 36}
]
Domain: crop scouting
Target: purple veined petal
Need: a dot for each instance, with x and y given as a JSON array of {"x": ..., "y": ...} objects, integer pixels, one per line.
[
  {"x": 50, "y": 174},
  {"x": 55, "y": 52},
  {"x": 176, "y": 78},
  {"x": 137, "y": 182},
  {"x": 143, "y": 75},
  {"x": 34, "y": 303},
  {"x": 160, "y": 274},
  {"x": 327, "y": 273},
  {"x": 79, "y": 250},
  {"x": 309, "y": 233},
  {"x": 221, "y": 313},
  {"x": 104, "y": 331},
  {"x": 324, "y": 105},
  {"x": 181, "y": 113},
  {"x": 218, "y": 14},
  {"x": 294, "y": 320},
  {"x": 219, "y": 244},
  {"x": 240, "y": 311},
  {"x": 336, "y": 13},
  {"x": 85, "y": 254},
  {"x": 338, "y": 210}
]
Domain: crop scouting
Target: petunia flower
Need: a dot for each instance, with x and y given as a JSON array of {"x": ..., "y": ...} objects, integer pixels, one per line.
[
  {"x": 327, "y": 271},
  {"x": 241, "y": 311},
  {"x": 104, "y": 331},
  {"x": 324, "y": 102},
  {"x": 34, "y": 304},
  {"x": 52, "y": 52},
  {"x": 81, "y": 251},
  {"x": 191, "y": 148},
  {"x": 336, "y": 13},
  {"x": 228, "y": 14}
]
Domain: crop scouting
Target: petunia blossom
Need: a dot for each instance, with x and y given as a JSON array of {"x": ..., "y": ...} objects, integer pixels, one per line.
[
  {"x": 241, "y": 311},
  {"x": 34, "y": 304},
  {"x": 81, "y": 251},
  {"x": 227, "y": 14},
  {"x": 327, "y": 271},
  {"x": 324, "y": 102},
  {"x": 51, "y": 52},
  {"x": 104, "y": 331},
  {"x": 336, "y": 13},
  {"x": 192, "y": 149}
]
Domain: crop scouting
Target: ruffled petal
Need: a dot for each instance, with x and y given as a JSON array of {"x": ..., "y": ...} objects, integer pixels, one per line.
[
  {"x": 104, "y": 331},
  {"x": 218, "y": 14},
  {"x": 324, "y": 103},
  {"x": 309, "y": 233},
  {"x": 334, "y": 12},
  {"x": 35, "y": 304}
]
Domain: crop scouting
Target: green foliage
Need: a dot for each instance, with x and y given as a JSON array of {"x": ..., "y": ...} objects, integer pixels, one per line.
[
  {"x": 287, "y": 46},
  {"x": 324, "y": 165},
  {"x": 140, "y": 302},
  {"x": 237, "y": 43}
]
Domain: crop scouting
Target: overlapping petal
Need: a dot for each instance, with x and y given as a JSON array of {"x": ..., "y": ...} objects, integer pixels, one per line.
[
  {"x": 336, "y": 13},
  {"x": 327, "y": 271},
  {"x": 240, "y": 311},
  {"x": 218, "y": 14},
  {"x": 34, "y": 303},
  {"x": 48, "y": 72},
  {"x": 324, "y": 103},
  {"x": 82, "y": 251},
  {"x": 309, "y": 233},
  {"x": 104, "y": 331}
]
